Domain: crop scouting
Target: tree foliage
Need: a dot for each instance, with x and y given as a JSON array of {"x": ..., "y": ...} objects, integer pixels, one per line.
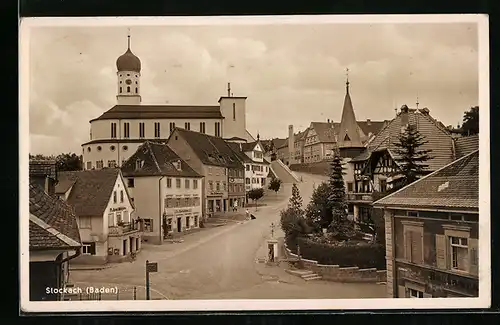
[
  {"x": 318, "y": 211},
  {"x": 292, "y": 219},
  {"x": 340, "y": 227},
  {"x": 470, "y": 124},
  {"x": 64, "y": 161},
  {"x": 295, "y": 201},
  {"x": 410, "y": 157},
  {"x": 255, "y": 194},
  {"x": 275, "y": 185}
]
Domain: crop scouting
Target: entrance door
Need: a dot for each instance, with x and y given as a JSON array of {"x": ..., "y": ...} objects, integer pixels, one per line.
[
  {"x": 124, "y": 247},
  {"x": 225, "y": 205},
  {"x": 179, "y": 224},
  {"x": 131, "y": 244}
]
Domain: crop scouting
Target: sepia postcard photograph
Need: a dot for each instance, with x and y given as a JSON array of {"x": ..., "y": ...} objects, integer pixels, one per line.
[{"x": 254, "y": 163}]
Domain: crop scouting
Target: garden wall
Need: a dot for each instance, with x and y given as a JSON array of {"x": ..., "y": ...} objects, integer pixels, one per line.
[
  {"x": 341, "y": 263},
  {"x": 341, "y": 274},
  {"x": 317, "y": 168}
]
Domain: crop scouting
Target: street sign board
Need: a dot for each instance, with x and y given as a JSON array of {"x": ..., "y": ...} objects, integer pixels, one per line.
[{"x": 152, "y": 267}]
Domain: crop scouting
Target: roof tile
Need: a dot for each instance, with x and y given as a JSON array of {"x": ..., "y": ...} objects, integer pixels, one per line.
[
  {"x": 156, "y": 159},
  {"x": 160, "y": 111}
]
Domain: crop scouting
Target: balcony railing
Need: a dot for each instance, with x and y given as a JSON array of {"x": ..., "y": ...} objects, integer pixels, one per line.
[
  {"x": 124, "y": 228},
  {"x": 360, "y": 197}
]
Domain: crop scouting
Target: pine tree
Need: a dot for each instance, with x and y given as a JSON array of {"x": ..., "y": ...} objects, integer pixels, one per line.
[
  {"x": 340, "y": 227},
  {"x": 411, "y": 158},
  {"x": 295, "y": 201}
]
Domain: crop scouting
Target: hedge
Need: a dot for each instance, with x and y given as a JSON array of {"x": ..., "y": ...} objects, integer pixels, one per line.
[{"x": 364, "y": 256}]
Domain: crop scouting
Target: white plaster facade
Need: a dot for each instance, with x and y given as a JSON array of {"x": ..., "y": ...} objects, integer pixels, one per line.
[
  {"x": 158, "y": 200},
  {"x": 256, "y": 173},
  {"x": 105, "y": 232}
]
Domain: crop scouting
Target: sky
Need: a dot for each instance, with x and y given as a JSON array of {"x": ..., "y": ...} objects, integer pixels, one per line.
[{"x": 291, "y": 74}]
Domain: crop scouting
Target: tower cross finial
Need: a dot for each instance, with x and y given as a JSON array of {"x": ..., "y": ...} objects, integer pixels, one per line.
[
  {"x": 347, "y": 78},
  {"x": 128, "y": 38},
  {"x": 417, "y": 102},
  {"x": 228, "y": 89}
]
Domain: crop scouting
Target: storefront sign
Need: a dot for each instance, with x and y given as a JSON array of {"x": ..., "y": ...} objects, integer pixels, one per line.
[
  {"x": 117, "y": 209},
  {"x": 236, "y": 180},
  {"x": 183, "y": 210}
]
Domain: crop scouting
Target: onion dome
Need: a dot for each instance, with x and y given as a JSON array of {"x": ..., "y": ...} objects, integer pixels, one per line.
[{"x": 128, "y": 61}]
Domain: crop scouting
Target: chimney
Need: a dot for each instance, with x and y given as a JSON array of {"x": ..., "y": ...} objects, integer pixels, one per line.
[
  {"x": 404, "y": 109},
  {"x": 404, "y": 116},
  {"x": 424, "y": 111},
  {"x": 368, "y": 121},
  {"x": 291, "y": 142}
]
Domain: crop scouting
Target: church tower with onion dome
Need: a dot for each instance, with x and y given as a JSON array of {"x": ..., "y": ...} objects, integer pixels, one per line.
[{"x": 129, "y": 78}]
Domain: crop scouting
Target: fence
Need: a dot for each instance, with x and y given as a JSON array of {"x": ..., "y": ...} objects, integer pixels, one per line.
[{"x": 118, "y": 294}]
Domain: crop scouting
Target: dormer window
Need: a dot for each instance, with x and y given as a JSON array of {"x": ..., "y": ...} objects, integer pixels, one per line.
[{"x": 138, "y": 164}]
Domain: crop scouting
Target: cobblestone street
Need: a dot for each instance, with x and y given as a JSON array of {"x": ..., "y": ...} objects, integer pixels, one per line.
[{"x": 222, "y": 263}]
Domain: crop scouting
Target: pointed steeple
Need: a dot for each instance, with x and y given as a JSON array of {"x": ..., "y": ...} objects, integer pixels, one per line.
[{"x": 349, "y": 131}]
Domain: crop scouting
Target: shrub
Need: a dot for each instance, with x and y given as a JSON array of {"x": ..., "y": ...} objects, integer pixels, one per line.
[
  {"x": 362, "y": 255},
  {"x": 293, "y": 223}
]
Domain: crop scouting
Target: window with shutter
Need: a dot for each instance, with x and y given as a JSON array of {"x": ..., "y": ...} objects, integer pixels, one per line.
[
  {"x": 111, "y": 219},
  {"x": 474, "y": 256},
  {"x": 441, "y": 252}
]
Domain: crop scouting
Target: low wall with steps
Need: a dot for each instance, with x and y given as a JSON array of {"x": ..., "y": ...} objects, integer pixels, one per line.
[{"x": 341, "y": 274}]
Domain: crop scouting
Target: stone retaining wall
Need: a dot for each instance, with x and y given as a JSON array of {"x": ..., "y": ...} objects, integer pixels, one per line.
[{"x": 341, "y": 274}]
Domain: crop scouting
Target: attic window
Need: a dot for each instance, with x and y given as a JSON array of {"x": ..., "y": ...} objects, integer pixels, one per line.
[{"x": 346, "y": 138}]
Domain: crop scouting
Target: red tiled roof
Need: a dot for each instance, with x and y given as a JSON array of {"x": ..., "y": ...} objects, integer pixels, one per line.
[
  {"x": 160, "y": 111},
  {"x": 55, "y": 214},
  {"x": 455, "y": 186},
  {"x": 156, "y": 159}
]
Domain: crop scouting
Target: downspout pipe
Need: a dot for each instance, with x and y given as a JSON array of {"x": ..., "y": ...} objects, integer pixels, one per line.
[
  {"x": 159, "y": 207},
  {"x": 78, "y": 253}
]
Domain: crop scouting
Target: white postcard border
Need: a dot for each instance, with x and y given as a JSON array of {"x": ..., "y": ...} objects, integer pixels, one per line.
[{"x": 484, "y": 299}]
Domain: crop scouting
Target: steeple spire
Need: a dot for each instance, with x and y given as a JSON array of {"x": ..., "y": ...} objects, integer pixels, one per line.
[
  {"x": 417, "y": 102},
  {"x": 228, "y": 89},
  {"x": 347, "y": 80},
  {"x": 128, "y": 39},
  {"x": 349, "y": 134}
]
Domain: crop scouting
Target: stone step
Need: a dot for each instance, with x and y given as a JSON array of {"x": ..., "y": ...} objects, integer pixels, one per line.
[
  {"x": 307, "y": 276},
  {"x": 301, "y": 272},
  {"x": 310, "y": 278}
]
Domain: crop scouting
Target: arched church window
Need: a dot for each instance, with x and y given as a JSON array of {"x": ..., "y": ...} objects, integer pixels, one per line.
[
  {"x": 136, "y": 91},
  {"x": 128, "y": 89},
  {"x": 120, "y": 90}
]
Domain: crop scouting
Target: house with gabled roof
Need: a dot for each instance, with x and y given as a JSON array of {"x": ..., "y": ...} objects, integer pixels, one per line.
[
  {"x": 212, "y": 158},
  {"x": 54, "y": 237},
  {"x": 432, "y": 233},
  {"x": 166, "y": 191},
  {"x": 376, "y": 167},
  {"x": 256, "y": 166},
  {"x": 108, "y": 228}
]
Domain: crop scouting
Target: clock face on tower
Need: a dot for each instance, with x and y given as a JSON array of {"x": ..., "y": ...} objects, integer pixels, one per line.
[{"x": 128, "y": 81}]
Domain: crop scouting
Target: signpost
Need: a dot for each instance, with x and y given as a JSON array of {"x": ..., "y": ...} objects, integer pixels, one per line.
[{"x": 150, "y": 267}]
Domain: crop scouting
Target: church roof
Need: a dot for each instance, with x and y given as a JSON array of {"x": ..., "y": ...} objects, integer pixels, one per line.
[
  {"x": 160, "y": 112},
  {"x": 349, "y": 132},
  {"x": 454, "y": 186},
  {"x": 156, "y": 160}
]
